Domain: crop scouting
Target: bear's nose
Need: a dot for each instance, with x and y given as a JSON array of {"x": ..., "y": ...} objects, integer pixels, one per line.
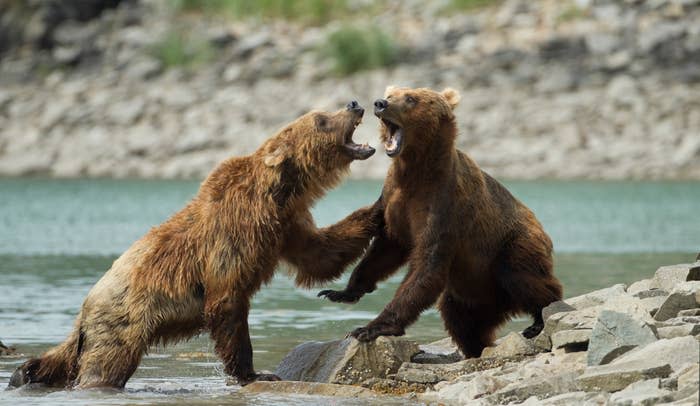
[
  {"x": 352, "y": 105},
  {"x": 380, "y": 104}
]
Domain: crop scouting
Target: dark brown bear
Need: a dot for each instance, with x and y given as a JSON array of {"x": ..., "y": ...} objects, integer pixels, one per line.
[
  {"x": 470, "y": 245},
  {"x": 198, "y": 270}
]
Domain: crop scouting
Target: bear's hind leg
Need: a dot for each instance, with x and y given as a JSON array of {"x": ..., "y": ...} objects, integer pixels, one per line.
[{"x": 471, "y": 327}]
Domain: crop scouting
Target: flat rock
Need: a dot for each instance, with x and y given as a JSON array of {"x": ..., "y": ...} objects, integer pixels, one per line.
[
  {"x": 308, "y": 388},
  {"x": 446, "y": 372},
  {"x": 678, "y": 331},
  {"x": 645, "y": 392},
  {"x": 541, "y": 387},
  {"x": 677, "y": 352},
  {"x": 667, "y": 277},
  {"x": 466, "y": 389},
  {"x": 346, "y": 361},
  {"x": 686, "y": 295},
  {"x": 511, "y": 345},
  {"x": 689, "y": 312},
  {"x": 443, "y": 351},
  {"x": 641, "y": 286},
  {"x": 571, "y": 340},
  {"x": 616, "y": 333},
  {"x": 646, "y": 294},
  {"x": 616, "y": 376},
  {"x": 597, "y": 297}
]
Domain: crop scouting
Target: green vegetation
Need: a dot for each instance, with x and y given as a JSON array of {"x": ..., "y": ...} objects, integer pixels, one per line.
[
  {"x": 307, "y": 11},
  {"x": 471, "y": 4},
  {"x": 571, "y": 12},
  {"x": 181, "y": 49},
  {"x": 353, "y": 49}
]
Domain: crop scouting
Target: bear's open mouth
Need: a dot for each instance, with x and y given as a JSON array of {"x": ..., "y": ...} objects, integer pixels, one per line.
[
  {"x": 356, "y": 151},
  {"x": 392, "y": 145}
]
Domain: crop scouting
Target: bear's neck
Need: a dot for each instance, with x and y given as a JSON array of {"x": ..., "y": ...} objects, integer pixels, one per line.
[{"x": 431, "y": 162}]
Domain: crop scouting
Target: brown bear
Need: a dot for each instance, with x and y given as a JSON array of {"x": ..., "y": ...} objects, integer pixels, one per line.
[
  {"x": 467, "y": 240},
  {"x": 198, "y": 270}
]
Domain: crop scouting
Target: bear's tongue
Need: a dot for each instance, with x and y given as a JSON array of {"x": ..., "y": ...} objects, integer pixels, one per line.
[{"x": 393, "y": 144}]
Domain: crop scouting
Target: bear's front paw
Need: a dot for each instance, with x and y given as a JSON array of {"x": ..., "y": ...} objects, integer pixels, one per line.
[
  {"x": 371, "y": 332},
  {"x": 258, "y": 377},
  {"x": 340, "y": 296},
  {"x": 533, "y": 330}
]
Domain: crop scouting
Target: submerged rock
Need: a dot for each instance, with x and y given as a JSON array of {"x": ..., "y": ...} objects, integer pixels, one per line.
[{"x": 346, "y": 361}]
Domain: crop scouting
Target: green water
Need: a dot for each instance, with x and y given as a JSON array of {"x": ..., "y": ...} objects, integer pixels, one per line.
[{"x": 58, "y": 237}]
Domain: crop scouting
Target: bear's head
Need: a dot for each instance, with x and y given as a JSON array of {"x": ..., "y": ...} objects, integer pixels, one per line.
[
  {"x": 412, "y": 118},
  {"x": 318, "y": 145}
]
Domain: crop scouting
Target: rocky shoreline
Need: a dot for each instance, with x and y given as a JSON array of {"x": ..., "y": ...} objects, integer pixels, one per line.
[
  {"x": 622, "y": 345},
  {"x": 604, "y": 89}
]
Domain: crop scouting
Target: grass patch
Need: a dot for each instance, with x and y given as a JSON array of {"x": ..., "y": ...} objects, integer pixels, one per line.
[
  {"x": 178, "y": 49},
  {"x": 353, "y": 49},
  {"x": 306, "y": 11},
  {"x": 471, "y": 4}
]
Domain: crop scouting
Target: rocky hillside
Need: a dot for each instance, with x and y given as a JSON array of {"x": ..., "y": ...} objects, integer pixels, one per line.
[
  {"x": 622, "y": 345},
  {"x": 602, "y": 89}
]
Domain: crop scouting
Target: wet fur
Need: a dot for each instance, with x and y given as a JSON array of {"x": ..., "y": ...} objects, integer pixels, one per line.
[
  {"x": 198, "y": 271},
  {"x": 471, "y": 247}
]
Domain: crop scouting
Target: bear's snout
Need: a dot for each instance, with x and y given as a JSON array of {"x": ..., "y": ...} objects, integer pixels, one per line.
[
  {"x": 355, "y": 107},
  {"x": 380, "y": 105}
]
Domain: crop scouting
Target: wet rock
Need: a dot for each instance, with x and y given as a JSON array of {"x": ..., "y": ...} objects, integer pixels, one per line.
[
  {"x": 308, "y": 388},
  {"x": 5, "y": 350},
  {"x": 641, "y": 393},
  {"x": 676, "y": 352},
  {"x": 571, "y": 340},
  {"x": 511, "y": 345},
  {"x": 346, "y": 361},
  {"x": 616, "y": 376},
  {"x": 616, "y": 333},
  {"x": 684, "y": 296}
]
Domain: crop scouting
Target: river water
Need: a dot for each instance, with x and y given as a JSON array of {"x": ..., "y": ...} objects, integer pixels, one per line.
[{"x": 57, "y": 237}]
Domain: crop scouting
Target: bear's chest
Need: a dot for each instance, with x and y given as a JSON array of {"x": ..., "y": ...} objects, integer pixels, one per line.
[{"x": 405, "y": 217}]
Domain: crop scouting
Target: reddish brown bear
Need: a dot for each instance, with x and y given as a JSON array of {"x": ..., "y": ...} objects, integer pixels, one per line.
[
  {"x": 198, "y": 270},
  {"x": 466, "y": 239}
]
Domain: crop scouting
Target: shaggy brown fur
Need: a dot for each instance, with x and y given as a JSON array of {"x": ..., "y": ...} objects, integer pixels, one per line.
[
  {"x": 199, "y": 269},
  {"x": 471, "y": 246}
]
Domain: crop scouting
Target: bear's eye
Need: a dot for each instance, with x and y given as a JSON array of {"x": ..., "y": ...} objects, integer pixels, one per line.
[
  {"x": 322, "y": 122},
  {"x": 410, "y": 100}
]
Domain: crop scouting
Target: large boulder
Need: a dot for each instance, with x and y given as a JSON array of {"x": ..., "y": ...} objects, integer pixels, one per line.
[
  {"x": 597, "y": 297},
  {"x": 667, "y": 277},
  {"x": 616, "y": 333},
  {"x": 346, "y": 361}
]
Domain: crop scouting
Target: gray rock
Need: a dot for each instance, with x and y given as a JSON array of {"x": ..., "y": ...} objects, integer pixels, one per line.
[
  {"x": 616, "y": 376},
  {"x": 641, "y": 393},
  {"x": 346, "y": 361},
  {"x": 597, "y": 297},
  {"x": 676, "y": 352},
  {"x": 466, "y": 390},
  {"x": 409, "y": 373},
  {"x": 571, "y": 340},
  {"x": 641, "y": 286},
  {"x": 685, "y": 296},
  {"x": 689, "y": 312},
  {"x": 144, "y": 67},
  {"x": 688, "y": 381},
  {"x": 511, "y": 345},
  {"x": 541, "y": 387},
  {"x": 683, "y": 330},
  {"x": 652, "y": 304},
  {"x": 651, "y": 293},
  {"x": 430, "y": 373},
  {"x": 667, "y": 277},
  {"x": 556, "y": 307},
  {"x": 614, "y": 334},
  {"x": 66, "y": 55},
  {"x": 603, "y": 43},
  {"x": 442, "y": 351}
]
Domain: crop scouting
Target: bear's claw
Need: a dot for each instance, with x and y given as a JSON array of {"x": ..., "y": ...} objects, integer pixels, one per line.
[
  {"x": 340, "y": 296},
  {"x": 370, "y": 333}
]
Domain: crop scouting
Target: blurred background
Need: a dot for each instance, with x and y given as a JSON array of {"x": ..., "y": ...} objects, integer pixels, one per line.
[
  {"x": 595, "y": 89},
  {"x": 112, "y": 111}
]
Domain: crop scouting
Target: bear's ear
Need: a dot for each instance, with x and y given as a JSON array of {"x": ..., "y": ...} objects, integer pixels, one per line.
[
  {"x": 389, "y": 89},
  {"x": 276, "y": 156},
  {"x": 452, "y": 96}
]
